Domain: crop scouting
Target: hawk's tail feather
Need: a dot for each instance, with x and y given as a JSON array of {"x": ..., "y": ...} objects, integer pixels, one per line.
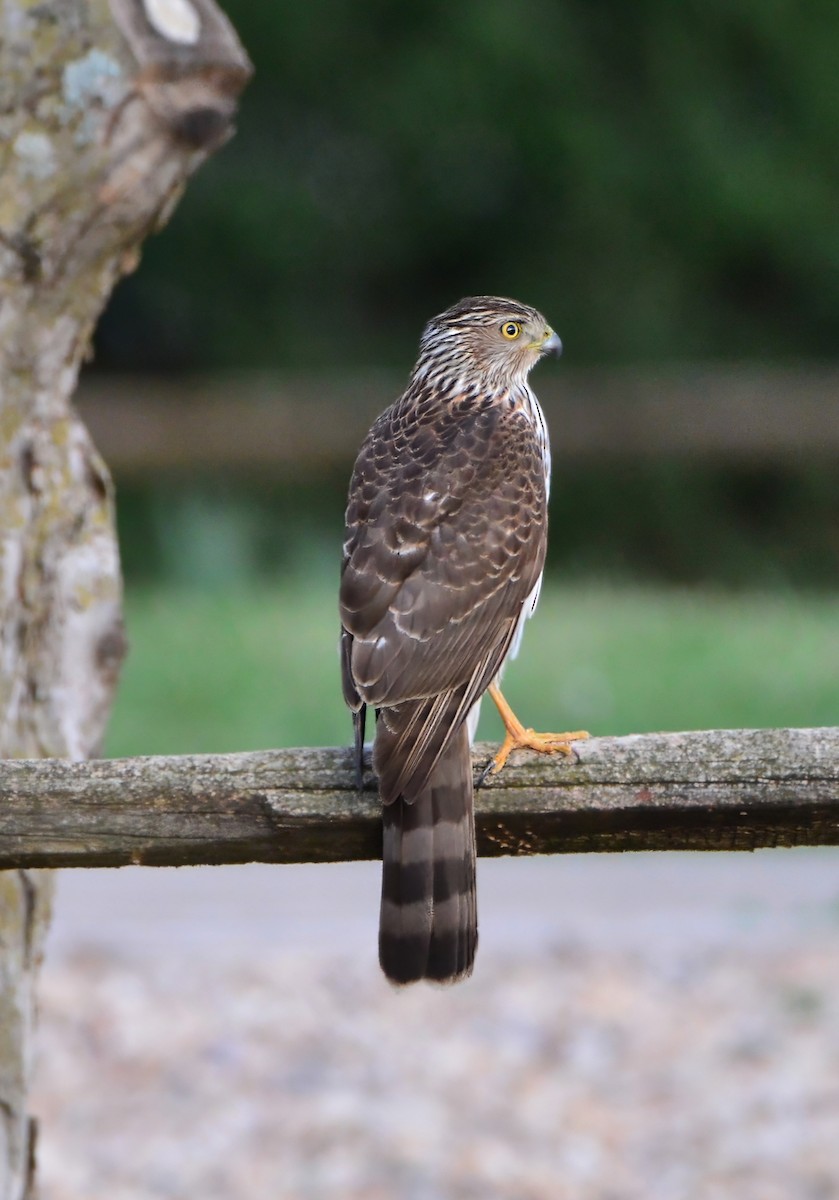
[{"x": 429, "y": 926}]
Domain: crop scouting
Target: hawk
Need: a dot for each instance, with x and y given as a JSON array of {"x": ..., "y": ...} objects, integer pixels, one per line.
[{"x": 446, "y": 531}]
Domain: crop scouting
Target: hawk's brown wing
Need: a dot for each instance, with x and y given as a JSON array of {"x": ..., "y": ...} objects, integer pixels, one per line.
[{"x": 445, "y": 540}]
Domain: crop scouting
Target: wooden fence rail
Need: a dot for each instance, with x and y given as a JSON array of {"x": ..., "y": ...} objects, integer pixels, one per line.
[
  {"x": 712, "y": 790},
  {"x": 251, "y": 421}
]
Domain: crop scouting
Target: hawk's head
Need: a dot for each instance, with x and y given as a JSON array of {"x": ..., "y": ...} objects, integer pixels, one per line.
[{"x": 495, "y": 339}]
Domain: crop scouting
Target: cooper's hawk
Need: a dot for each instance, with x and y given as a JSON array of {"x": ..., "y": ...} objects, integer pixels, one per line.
[{"x": 446, "y": 530}]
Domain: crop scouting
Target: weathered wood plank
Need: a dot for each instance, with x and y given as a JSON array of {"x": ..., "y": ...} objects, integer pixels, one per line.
[
  {"x": 744, "y": 414},
  {"x": 710, "y": 790}
]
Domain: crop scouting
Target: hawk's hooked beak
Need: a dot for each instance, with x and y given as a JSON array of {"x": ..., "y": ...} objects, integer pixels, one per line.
[{"x": 551, "y": 344}]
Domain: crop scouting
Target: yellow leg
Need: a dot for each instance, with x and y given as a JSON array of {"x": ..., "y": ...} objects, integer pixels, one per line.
[{"x": 519, "y": 738}]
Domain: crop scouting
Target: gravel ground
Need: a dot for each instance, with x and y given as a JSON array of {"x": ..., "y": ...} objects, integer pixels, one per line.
[{"x": 673, "y": 1036}]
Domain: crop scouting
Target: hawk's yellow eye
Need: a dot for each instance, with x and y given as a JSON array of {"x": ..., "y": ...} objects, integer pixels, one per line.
[{"x": 511, "y": 330}]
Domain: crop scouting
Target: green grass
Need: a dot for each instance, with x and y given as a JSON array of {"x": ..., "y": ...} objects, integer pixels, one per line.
[{"x": 240, "y": 670}]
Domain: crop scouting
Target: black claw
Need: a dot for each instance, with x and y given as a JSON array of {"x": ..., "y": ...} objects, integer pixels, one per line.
[{"x": 485, "y": 774}]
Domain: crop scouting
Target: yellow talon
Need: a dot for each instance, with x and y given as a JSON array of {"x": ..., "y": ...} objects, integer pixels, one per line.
[{"x": 519, "y": 738}]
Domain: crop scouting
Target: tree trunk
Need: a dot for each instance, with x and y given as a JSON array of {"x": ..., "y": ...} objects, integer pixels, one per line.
[{"x": 104, "y": 113}]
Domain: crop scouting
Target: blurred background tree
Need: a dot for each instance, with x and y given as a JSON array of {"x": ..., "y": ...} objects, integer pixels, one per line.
[{"x": 662, "y": 180}]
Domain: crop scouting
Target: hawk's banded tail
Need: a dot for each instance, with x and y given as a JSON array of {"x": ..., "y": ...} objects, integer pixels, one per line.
[{"x": 428, "y": 927}]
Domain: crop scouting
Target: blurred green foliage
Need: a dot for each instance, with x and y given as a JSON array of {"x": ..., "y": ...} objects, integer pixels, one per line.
[
  {"x": 745, "y": 528},
  {"x": 246, "y": 669},
  {"x": 661, "y": 179}
]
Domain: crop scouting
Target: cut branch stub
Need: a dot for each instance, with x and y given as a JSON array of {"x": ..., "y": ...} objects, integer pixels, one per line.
[{"x": 191, "y": 65}]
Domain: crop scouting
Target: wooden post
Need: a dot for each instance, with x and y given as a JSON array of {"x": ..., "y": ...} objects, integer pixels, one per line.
[{"x": 105, "y": 113}]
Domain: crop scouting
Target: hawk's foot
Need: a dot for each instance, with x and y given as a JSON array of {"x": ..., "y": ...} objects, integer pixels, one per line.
[{"x": 519, "y": 738}]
